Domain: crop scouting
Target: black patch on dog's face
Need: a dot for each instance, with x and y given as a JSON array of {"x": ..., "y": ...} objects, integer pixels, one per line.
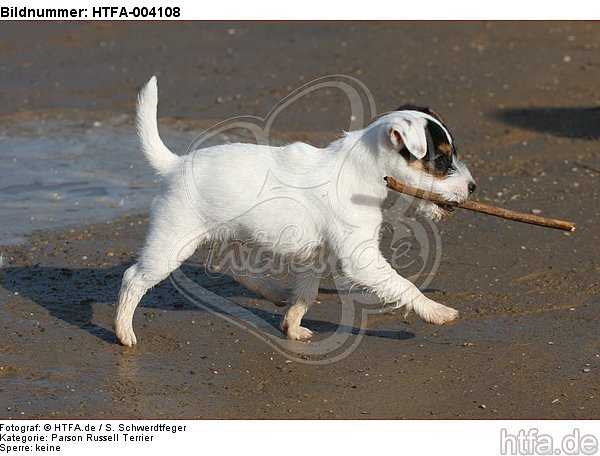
[
  {"x": 440, "y": 151},
  {"x": 423, "y": 109}
]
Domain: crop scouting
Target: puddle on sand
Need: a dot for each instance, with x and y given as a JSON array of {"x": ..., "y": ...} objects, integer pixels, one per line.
[
  {"x": 55, "y": 173},
  {"x": 60, "y": 172}
]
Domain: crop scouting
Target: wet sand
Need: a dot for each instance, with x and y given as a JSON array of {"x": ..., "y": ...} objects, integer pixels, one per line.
[{"x": 522, "y": 101}]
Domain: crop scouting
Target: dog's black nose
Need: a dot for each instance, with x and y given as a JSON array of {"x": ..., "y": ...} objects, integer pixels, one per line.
[{"x": 472, "y": 187}]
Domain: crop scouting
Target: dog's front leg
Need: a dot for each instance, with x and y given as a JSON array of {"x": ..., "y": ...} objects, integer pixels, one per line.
[{"x": 366, "y": 266}]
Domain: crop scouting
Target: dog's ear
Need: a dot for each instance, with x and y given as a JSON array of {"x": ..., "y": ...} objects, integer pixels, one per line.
[{"x": 409, "y": 133}]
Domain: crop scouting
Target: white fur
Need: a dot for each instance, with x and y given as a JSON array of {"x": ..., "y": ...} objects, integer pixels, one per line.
[
  {"x": 297, "y": 200},
  {"x": 409, "y": 130},
  {"x": 157, "y": 154}
]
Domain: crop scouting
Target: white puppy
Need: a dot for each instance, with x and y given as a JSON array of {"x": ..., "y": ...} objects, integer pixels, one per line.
[{"x": 298, "y": 200}]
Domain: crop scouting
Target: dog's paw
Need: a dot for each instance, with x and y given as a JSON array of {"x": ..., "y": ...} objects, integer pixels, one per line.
[
  {"x": 126, "y": 336},
  {"x": 445, "y": 315},
  {"x": 436, "y": 313},
  {"x": 299, "y": 333}
]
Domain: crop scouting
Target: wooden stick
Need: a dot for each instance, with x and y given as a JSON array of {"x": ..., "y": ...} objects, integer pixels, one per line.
[{"x": 480, "y": 207}]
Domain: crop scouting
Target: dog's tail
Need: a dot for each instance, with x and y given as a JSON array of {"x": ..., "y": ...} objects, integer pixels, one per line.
[{"x": 155, "y": 151}]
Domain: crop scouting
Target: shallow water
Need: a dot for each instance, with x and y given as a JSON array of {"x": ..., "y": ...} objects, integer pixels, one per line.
[{"x": 55, "y": 173}]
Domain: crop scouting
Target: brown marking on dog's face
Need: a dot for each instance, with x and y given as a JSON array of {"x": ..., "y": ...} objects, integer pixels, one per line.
[
  {"x": 446, "y": 149},
  {"x": 429, "y": 167},
  {"x": 417, "y": 165},
  {"x": 440, "y": 148}
]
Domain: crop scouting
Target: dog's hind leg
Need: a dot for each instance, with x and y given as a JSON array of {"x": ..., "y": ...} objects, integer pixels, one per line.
[
  {"x": 166, "y": 247},
  {"x": 305, "y": 290}
]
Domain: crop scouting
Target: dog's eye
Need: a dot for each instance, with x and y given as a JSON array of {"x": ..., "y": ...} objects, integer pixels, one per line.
[{"x": 442, "y": 162}]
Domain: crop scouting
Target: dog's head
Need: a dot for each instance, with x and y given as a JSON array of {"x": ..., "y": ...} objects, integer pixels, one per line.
[{"x": 420, "y": 151}]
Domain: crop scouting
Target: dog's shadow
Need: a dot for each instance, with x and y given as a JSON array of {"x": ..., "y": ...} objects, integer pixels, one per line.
[
  {"x": 71, "y": 294},
  {"x": 67, "y": 294},
  {"x": 568, "y": 122}
]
